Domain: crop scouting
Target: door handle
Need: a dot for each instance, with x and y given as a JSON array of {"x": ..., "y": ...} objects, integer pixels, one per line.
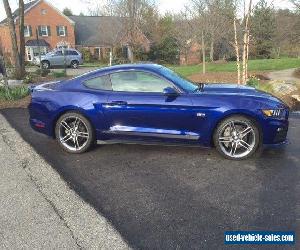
[{"x": 119, "y": 103}]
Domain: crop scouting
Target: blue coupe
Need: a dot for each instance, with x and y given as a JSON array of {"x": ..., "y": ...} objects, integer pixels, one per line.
[{"x": 150, "y": 104}]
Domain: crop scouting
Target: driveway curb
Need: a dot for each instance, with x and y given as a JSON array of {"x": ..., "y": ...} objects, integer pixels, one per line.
[{"x": 88, "y": 229}]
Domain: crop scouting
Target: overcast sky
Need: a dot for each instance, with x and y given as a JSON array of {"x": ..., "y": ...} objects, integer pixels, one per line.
[{"x": 78, "y": 6}]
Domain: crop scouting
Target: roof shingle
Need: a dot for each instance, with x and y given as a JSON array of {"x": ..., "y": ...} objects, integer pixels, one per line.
[{"x": 98, "y": 30}]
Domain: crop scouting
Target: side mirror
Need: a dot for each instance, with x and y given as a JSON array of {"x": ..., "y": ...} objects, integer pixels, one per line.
[{"x": 170, "y": 92}]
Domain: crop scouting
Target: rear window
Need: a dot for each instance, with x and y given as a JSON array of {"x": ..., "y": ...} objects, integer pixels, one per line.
[
  {"x": 100, "y": 83},
  {"x": 71, "y": 53}
]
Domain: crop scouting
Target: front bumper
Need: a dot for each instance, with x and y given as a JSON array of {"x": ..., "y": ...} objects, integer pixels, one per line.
[{"x": 275, "y": 131}]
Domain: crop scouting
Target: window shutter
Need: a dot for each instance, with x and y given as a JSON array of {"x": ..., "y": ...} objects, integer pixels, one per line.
[
  {"x": 30, "y": 30},
  {"x": 66, "y": 31},
  {"x": 57, "y": 30},
  {"x": 49, "y": 30},
  {"x": 40, "y": 30}
]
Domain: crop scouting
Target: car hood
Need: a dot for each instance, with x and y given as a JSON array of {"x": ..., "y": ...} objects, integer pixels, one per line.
[
  {"x": 229, "y": 88},
  {"x": 239, "y": 90}
]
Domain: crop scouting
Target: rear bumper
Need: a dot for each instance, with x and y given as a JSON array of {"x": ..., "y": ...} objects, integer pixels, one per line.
[{"x": 38, "y": 120}]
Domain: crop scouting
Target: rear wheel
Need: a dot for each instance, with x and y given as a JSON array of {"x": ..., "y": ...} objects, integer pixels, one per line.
[
  {"x": 74, "y": 133},
  {"x": 74, "y": 64},
  {"x": 237, "y": 137}
]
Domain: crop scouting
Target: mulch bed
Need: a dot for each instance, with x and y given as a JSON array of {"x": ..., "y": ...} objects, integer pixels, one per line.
[{"x": 22, "y": 103}]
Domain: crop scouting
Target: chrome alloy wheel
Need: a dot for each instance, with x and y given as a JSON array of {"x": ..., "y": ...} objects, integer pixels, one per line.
[
  {"x": 73, "y": 133},
  {"x": 237, "y": 139}
]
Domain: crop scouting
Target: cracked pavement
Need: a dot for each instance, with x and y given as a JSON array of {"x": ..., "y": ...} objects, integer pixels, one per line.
[{"x": 37, "y": 208}]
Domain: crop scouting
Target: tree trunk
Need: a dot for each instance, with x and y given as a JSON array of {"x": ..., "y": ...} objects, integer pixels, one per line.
[
  {"x": 244, "y": 57},
  {"x": 12, "y": 29},
  {"x": 247, "y": 52},
  {"x": 21, "y": 35},
  {"x": 237, "y": 52},
  {"x": 246, "y": 45},
  {"x": 3, "y": 67},
  {"x": 211, "y": 54},
  {"x": 203, "y": 54},
  {"x": 278, "y": 52}
]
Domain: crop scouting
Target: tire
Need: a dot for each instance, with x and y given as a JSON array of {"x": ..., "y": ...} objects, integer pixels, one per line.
[
  {"x": 237, "y": 138},
  {"x": 45, "y": 65},
  {"x": 74, "y": 64},
  {"x": 74, "y": 133}
]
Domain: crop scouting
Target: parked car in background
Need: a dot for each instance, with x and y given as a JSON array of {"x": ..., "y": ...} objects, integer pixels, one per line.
[
  {"x": 69, "y": 57},
  {"x": 148, "y": 103}
]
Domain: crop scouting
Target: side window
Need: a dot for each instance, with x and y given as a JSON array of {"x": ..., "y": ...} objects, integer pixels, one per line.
[
  {"x": 101, "y": 83},
  {"x": 58, "y": 53},
  {"x": 71, "y": 53},
  {"x": 138, "y": 81}
]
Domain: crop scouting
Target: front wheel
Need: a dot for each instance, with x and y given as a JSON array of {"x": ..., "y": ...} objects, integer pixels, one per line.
[
  {"x": 74, "y": 133},
  {"x": 237, "y": 138},
  {"x": 45, "y": 65}
]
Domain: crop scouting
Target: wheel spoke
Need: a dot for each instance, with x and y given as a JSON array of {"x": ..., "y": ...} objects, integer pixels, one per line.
[
  {"x": 76, "y": 123},
  {"x": 246, "y": 131},
  {"x": 233, "y": 148},
  {"x": 232, "y": 126},
  {"x": 66, "y": 138},
  {"x": 65, "y": 125},
  {"x": 245, "y": 145},
  {"x": 76, "y": 143},
  {"x": 83, "y": 134},
  {"x": 225, "y": 139}
]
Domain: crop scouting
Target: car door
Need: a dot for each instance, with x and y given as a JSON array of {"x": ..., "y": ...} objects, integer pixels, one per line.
[
  {"x": 137, "y": 106},
  {"x": 57, "y": 58},
  {"x": 70, "y": 56}
]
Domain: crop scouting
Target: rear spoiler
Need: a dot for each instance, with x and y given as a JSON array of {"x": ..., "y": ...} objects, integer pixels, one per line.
[
  {"x": 31, "y": 88},
  {"x": 43, "y": 86}
]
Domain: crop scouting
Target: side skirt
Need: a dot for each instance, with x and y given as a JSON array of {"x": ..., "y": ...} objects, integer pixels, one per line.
[
  {"x": 150, "y": 132},
  {"x": 150, "y": 143}
]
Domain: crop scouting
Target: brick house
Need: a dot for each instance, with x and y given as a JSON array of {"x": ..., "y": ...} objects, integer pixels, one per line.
[
  {"x": 104, "y": 34},
  {"x": 46, "y": 28},
  {"x": 192, "y": 56}
]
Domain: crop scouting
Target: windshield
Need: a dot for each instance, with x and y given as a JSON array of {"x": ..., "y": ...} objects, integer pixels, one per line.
[{"x": 181, "y": 81}]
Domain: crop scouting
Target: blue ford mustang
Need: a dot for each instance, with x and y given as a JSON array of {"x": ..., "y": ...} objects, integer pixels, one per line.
[{"x": 148, "y": 103}]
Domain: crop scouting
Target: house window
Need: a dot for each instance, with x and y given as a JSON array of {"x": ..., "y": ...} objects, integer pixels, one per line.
[
  {"x": 27, "y": 31},
  {"x": 61, "y": 31},
  {"x": 44, "y": 30},
  {"x": 43, "y": 12}
]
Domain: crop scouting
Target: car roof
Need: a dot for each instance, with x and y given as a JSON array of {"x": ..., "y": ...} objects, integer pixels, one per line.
[
  {"x": 145, "y": 66},
  {"x": 106, "y": 70}
]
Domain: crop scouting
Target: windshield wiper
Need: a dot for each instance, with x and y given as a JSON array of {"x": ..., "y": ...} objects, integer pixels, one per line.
[{"x": 200, "y": 88}]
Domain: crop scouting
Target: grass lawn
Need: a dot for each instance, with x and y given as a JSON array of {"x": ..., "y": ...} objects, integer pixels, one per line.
[{"x": 254, "y": 65}]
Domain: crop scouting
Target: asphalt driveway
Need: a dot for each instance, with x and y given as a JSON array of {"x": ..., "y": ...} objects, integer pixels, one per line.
[{"x": 180, "y": 198}]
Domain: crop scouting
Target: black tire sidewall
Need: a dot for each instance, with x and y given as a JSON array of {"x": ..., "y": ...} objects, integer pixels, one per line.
[
  {"x": 257, "y": 133},
  {"x": 90, "y": 129}
]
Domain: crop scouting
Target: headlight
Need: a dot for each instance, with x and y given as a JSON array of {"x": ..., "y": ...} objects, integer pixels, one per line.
[{"x": 275, "y": 113}]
